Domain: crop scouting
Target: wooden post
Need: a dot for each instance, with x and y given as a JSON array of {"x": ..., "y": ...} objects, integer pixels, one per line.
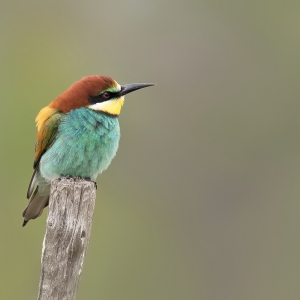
[{"x": 68, "y": 231}]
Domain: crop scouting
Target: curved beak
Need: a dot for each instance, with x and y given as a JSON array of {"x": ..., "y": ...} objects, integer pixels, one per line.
[{"x": 128, "y": 88}]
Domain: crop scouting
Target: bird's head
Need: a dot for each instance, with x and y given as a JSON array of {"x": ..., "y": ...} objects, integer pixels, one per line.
[{"x": 97, "y": 92}]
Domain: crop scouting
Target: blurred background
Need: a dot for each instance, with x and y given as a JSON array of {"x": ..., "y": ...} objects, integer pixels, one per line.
[{"x": 202, "y": 200}]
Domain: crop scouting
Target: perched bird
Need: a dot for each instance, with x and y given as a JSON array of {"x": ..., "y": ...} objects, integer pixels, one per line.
[{"x": 78, "y": 135}]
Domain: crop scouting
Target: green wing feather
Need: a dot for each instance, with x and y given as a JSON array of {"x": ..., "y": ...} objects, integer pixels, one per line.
[
  {"x": 48, "y": 124},
  {"x": 47, "y": 135}
]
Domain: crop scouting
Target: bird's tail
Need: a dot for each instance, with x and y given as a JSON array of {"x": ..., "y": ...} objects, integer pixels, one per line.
[
  {"x": 35, "y": 207},
  {"x": 38, "y": 192}
]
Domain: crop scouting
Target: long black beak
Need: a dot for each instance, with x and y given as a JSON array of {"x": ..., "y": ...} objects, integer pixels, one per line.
[{"x": 128, "y": 88}]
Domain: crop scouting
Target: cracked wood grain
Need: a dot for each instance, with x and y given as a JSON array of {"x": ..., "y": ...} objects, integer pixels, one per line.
[{"x": 68, "y": 231}]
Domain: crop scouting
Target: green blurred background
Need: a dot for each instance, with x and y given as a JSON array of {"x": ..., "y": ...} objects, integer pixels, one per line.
[{"x": 202, "y": 200}]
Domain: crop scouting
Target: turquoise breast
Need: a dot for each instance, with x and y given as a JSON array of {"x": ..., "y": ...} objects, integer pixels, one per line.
[{"x": 85, "y": 145}]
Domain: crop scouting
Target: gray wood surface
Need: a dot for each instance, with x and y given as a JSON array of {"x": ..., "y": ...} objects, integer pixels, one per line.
[{"x": 68, "y": 230}]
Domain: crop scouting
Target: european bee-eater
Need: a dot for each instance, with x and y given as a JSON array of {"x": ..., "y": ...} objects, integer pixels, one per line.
[{"x": 78, "y": 135}]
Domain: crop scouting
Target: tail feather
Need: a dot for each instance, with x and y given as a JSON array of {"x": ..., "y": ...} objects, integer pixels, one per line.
[
  {"x": 35, "y": 207},
  {"x": 32, "y": 183}
]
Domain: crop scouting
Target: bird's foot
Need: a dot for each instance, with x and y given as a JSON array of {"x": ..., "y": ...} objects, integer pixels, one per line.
[
  {"x": 68, "y": 177},
  {"x": 79, "y": 177}
]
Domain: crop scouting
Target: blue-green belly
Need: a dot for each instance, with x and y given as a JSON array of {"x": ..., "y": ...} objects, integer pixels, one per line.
[{"x": 85, "y": 145}]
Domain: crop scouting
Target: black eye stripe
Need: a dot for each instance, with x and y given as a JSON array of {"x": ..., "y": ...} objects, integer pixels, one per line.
[{"x": 100, "y": 98}]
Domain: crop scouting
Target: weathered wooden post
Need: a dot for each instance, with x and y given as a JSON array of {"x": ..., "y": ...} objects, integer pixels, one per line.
[{"x": 68, "y": 231}]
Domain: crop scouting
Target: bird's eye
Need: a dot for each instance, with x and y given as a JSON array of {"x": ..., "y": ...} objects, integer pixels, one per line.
[{"x": 106, "y": 95}]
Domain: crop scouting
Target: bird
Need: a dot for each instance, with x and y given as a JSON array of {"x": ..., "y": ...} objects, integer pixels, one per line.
[{"x": 78, "y": 136}]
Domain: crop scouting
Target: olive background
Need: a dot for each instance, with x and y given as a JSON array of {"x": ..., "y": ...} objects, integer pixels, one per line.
[{"x": 202, "y": 199}]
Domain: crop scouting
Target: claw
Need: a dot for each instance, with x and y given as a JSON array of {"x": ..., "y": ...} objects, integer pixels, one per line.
[
  {"x": 89, "y": 179},
  {"x": 79, "y": 177}
]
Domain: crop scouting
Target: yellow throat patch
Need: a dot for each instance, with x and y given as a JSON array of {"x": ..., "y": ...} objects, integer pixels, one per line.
[{"x": 112, "y": 107}]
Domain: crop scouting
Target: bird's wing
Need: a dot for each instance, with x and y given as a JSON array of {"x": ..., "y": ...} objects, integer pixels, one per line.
[{"x": 48, "y": 121}]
